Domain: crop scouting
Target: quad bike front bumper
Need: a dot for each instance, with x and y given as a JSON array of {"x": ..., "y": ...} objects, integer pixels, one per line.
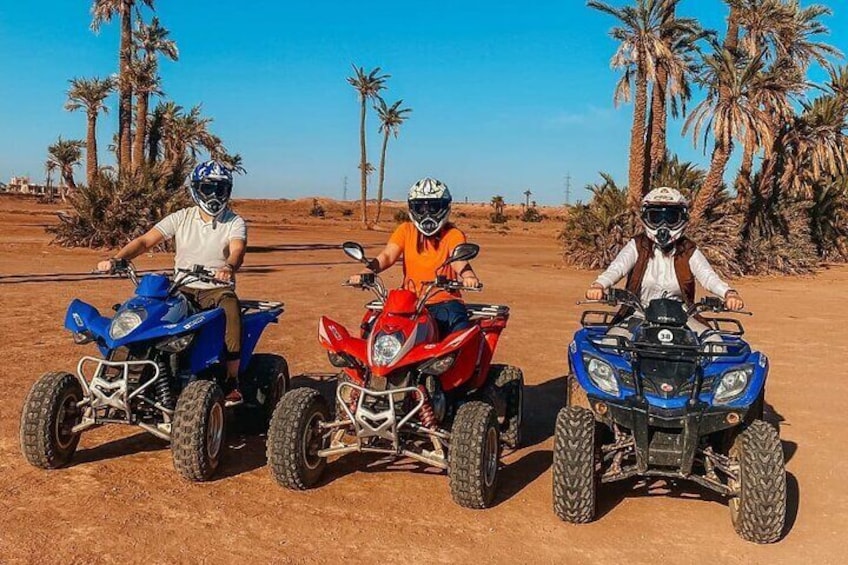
[
  {"x": 361, "y": 428},
  {"x": 668, "y": 443},
  {"x": 104, "y": 399}
]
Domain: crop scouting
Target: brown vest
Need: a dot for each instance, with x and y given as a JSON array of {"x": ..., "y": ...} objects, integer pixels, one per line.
[{"x": 683, "y": 250}]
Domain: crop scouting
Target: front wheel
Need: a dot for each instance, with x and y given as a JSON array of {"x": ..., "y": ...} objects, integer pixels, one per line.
[
  {"x": 574, "y": 477},
  {"x": 759, "y": 509},
  {"x": 198, "y": 430},
  {"x": 294, "y": 438},
  {"x": 50, "y": 412},
  {"x": 474, "y": 455}
]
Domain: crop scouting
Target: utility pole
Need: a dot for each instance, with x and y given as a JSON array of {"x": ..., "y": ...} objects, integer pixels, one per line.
[
  {"x": 568, "y": 189},
  {"x": 344, "y": 191}
]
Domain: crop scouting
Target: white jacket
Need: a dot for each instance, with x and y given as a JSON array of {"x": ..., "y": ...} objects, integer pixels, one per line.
[{"x": 660, "y": 277}]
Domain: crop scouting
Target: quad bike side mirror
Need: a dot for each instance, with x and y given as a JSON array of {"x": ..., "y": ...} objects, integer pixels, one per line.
[
  {"x": 464, "y": 252},
  {"x": 354, "y": 251}
]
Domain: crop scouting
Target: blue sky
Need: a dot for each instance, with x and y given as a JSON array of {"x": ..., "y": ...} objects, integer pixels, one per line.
[{"x": 506, "y": 95}]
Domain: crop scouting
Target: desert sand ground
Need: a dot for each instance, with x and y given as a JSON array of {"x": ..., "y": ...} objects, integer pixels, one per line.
[{"x": 121, "y": 500}]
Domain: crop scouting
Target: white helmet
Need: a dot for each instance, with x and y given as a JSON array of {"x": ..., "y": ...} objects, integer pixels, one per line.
[
  {"x": 665, "y": 213},
  {"x": 429, "y": 205}
]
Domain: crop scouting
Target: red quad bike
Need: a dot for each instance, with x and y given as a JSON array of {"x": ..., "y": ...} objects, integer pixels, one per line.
[{"x": 406, "y": 393}]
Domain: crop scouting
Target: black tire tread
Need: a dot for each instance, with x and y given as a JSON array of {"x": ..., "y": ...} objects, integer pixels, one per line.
[
  {"x": 38, "y": 420},
  {"x": 762, "y": 503},
  {"x": 188, "y": 431},
  {"x": 508, "y": 376},
  {"x": 285, "y": 459},
  {"x": 465, "y": 471},
  {"x": 574, "y": 477}
]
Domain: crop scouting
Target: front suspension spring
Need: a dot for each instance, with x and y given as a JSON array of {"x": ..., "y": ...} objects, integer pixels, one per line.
[{"x": 428, "y": 417}]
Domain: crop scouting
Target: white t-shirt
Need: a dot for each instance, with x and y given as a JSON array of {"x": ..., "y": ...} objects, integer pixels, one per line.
[
  {"x": 199, "y": 242},
  {"x": 660, "y": 277}
]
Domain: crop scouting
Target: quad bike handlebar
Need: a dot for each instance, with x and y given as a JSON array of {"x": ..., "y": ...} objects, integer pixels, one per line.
[
  {"x": 181, "y": 278},
  {"x": 623, "y": 297}
]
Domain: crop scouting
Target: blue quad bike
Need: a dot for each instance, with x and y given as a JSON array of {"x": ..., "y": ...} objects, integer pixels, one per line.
[
  {"x": 670, "y": 404},
  {"x": 162, "y": 369}
]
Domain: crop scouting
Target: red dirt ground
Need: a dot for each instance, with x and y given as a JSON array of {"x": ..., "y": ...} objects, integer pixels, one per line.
[{"x": 121, "y": 500}]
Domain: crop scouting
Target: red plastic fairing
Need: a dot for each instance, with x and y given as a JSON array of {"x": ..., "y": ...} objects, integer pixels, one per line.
[
  {"x": 334, "y": 337},
  {"x": 401, "y": 302},
  {"x": 492, "y": 329},
  {"x": 466, "y": 345}
]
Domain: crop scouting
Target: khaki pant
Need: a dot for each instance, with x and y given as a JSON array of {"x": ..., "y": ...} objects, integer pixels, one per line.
[{"x": 225, "y": 298}]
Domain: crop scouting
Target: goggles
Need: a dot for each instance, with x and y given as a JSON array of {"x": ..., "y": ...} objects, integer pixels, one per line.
[{"x": 671, "y": 217}]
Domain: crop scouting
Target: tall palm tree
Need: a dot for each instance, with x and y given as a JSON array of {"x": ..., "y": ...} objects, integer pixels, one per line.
[
  {"x": 150, "y": 40},
  {"x": 677, "y": 66},
  {"x": 391, "y": 118},
  {"x": 64, "y": 155},
  {"x": 89, "y": 94},
  {"x": 368, "y": 85},
  {"x": 103, "y": 11},
  {"x": 641, "y": 45},
  {"x": 729, "y": 112}
]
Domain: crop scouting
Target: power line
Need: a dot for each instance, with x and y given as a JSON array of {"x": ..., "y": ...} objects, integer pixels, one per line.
[
  {"x": 344, "y": 192},
  {"x": 568, "y": 189}
]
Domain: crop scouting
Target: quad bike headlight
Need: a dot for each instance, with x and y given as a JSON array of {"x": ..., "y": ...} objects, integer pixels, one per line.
[
  {"x": 386, "y": 348},
  {"x": 125, "y": 323},
  {"x": 732, "y": 384},
  {"x": 602, "y": 374},
  {"x": 438, "y": 366},
  {"x": 175, "y": 344}
]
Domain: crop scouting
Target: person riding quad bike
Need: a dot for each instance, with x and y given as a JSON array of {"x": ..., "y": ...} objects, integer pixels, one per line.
[
  {"x": 662, "y": 263},
  {"x": 208, "y": 234},
  {"x": 425, "y": 243}
]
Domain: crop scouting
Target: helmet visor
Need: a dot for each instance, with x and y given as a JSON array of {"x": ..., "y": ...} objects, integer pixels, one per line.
[{"x": 668, "y": 216}]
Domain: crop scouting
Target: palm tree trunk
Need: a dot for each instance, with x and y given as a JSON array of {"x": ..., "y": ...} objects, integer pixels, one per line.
[
  {"x": 363, "y": 166},
  {"x": 142, "y": 101},
  {"x": 743, "y": 181},
  {"x": 68, "y": 175},
  {"x": 125, "y": 89},
  {"x": 712, "y": 184},
  {"x": 382, "y": 175},
  {"x": 637, "y": 144},
  {"x": 91, "y": 149},
  {"x": 659, "y": 121},
  {"x": 731, "y": 40}
]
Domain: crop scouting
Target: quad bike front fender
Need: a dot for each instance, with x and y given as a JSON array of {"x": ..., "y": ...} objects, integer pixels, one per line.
[{"x": 335, "y": 338}]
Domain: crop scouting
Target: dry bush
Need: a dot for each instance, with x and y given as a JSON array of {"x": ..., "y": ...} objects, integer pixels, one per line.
[
  {"x": 778, "y": 241},
  {"x": 718, "y": 235},
  {"x": 401, "y": 216},
  {"x": 112, "y": 211},
  {"x": 317, "y": 211},
  {"x": 532, "y": 215},
  {"x": 594, "y": 233}
]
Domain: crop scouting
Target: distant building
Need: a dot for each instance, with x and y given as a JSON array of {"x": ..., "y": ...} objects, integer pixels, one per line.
[{"x": 23, "y": 185}]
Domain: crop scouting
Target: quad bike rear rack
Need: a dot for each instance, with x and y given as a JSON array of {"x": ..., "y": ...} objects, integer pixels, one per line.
[
  {"x": 384, "y": 425},
  {"x": 101, "y": 393}
]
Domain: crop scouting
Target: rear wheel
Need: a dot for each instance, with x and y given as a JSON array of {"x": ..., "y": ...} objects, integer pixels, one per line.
[
  {"x": 270, "y": 375},
  {"x": 758, "y": 511},
  {"x": 295, "y": 437},
  {"x": 474, "y": 455},
  {"x": 509, "y": 382},
  {"x": 49, "y": 414},
  {"x": 197, "y": 433},
  {"x": 575, "y": 454}
]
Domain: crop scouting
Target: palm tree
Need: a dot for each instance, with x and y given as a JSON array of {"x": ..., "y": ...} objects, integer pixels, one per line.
[
  {"x": 391, "y": 118},
  {"x": 89, "y": 94},
  {"x": 729, "y": 111},
  {"x": 368, "y": 85},
  {"x": 49, "y": 169},
  {"x": 64, "y": 155},
  {"x": 527, "y": 194},
  {"x": 102, "y": 11},
  {"x": 150, "y": 40},
  {"x": 677, "y": 66},
  {"x": 641, "y": 45}
]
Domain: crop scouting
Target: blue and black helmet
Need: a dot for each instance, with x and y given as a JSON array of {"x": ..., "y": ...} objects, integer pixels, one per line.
[{"x": 211, "y": 186}]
